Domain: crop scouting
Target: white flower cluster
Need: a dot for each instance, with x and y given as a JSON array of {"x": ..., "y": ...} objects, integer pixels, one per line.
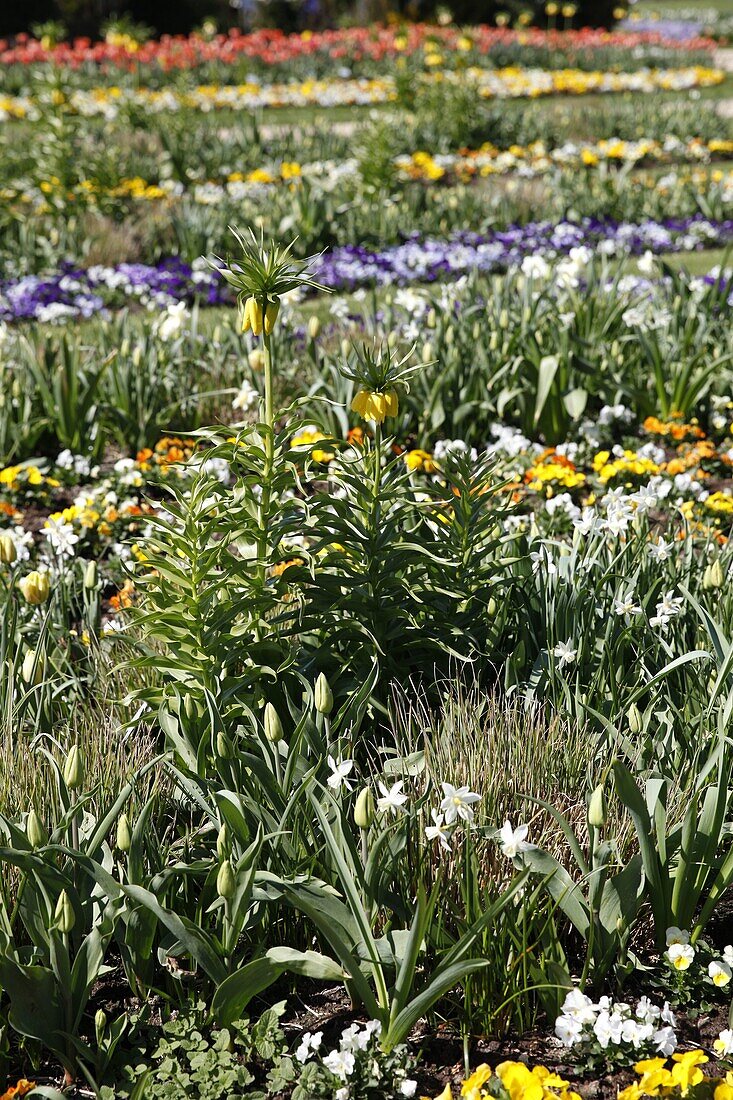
[
  {"x": 680, "y": 955},
  {"x": 355, "y": 1043},
  {"x": 608, "y": 1024}
]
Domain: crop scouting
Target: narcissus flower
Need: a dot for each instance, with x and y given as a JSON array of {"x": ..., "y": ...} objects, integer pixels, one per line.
[{"x": 375, "y": 406}]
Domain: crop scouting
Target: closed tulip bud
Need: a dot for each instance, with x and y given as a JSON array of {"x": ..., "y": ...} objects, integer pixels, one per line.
[
  {"x": 476, "y": 332},
  {"x": 32, "y": 668},
  {"x": 91, "y": 575},
  {"x": 538, "y": 337},
  {"x": 223, "y": 746},
  {"x": 256, "y": 359},
  {"x": 345, "y": 348},
  {"x": 634, "y": 719},
  {"x": 74, "y": 768},
  {"x": 34, "y": 830},
  {"x": 273, "y": 725},
  {"x": 324, "y": 695},
  {"x": 364, "y": 809},
  {"x": 491, "y": 607},
  {"x": 427, "y": 353},
  {"x": 35, "y": 587},
  {"x": 392, "y": 339},
  {"x": 271, "y": 311},
  {"x": 597, "y": 808},
  {"x": 124, "y": 833},
  {"x": 493, "y": 341},
  {"x": 314, "y": 327},
  {"x": 225, "y": 884},
  {"x": 449, "y": 335},
  {"x": 431, "y": 320},
  {"x": 8, "y": 552},
  {"x": 222, "y": 842},
  {"x": 137, "y": 355},
  {"x": 713, "y": 576},
  {"x": 503, "y": 318},
  {"x": 100, "y": 1024},
  {"x": 63, "y": 917}
]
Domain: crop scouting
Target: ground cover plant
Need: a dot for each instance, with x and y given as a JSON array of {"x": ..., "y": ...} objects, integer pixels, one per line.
[{"x": 366, "y": 499}]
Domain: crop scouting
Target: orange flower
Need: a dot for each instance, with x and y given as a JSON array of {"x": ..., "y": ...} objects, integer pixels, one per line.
[{"x": 20, "y": 1089}]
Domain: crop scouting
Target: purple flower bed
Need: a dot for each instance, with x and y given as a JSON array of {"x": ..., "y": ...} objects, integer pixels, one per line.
[{"x": 77, "y": 292}]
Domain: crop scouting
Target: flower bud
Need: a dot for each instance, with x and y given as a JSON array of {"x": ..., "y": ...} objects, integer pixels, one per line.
[
  {"x": 34, "y": 830},
  {"x": 223, "y": 746},
  {"x": 271, "y": 311},
  {"x": 32, "y": 668},
  {"x": 345, "y": 348},
  {"x": 124, "y": 834},
  {"x": 314, "y": 327},
  {"x": 63, "y": 917},
  {"x": 100, "y": 1025},
  {"x": 222, "y": 842},
  {"x": 35, "y": 587},
  {"x": 431, "y": 319},
  {"x": 634, "y": 719},
  {"x": 713, "y": 576},
  {"x": 273, "y": 725},
  {"x": 90, "y": 575},
  {"x": 8, "y": 552},
  {"x": 323, "y": 695},
  {"x": 74, "y": 768},
  {"x": 256, "y": 359},
  {"x": 597, "y": 808},
  {"x": 225, "y": 884},
  {"x": 364, "y": 809},
  {"x": 427, "y": 353}
]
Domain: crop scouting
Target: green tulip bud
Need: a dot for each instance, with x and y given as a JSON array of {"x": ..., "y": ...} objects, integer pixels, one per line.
[
  {"x": 273, "y": 725},
  {"x": 8, "y": 552},
  {"x": 32, "y": 668},
  {"x": 225, "y": 884},
  {"x": 314, "y": 327},
  {"x": 427, "y": 353},
  {"x": 91, "y": 575},
  {"x": 713, "y": 576},
  {"x": 222, "y": 842},
  {"x": 491, "y": 607},
  {"x": 364, "y": 809},
  {"x": 597, "y": 808},
  {"x": 324, "y": 695},
  {"x": 223, "y": 746},
  {"x": 635, "y": 719},
  {"x": 100, "y": 1025},
  {"x": 63, "y": 917},
  {"x": 34, "y": 830},
  {"x": 431, "y": 319},
  {"x": 74, "y": 768},
  {"x": 124, "y": 833}
]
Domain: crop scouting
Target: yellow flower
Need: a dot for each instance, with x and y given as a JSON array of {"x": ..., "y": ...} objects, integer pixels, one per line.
[
  {"x": 472, "y": 1085},
  {"x": 35, "y": 587},
  {"x": 375, "y": 406},
  {"x": 686, "y": 1072},
  {"x": 446, "y": 1094},
  {"x": 420, "y": 460},
  {"x": 519, "y": 1081},
  {"x": 253, "y": 316}
]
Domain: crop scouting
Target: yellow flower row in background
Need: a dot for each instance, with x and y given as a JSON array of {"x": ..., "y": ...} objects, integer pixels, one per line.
[{"x": 511, "y": 82}]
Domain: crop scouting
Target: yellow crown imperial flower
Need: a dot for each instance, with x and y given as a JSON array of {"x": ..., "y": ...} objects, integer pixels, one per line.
[
  {"x": 271, "y": 311},
  {"x": 252, "y": 317},
  {"x": 375, "y": 406}
]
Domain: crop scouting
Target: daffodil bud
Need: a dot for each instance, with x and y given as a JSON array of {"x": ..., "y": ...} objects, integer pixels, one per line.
[
  {"x": 314, "y": 327},
  {"x": 35, "y": 587},
  {"x": 91, "y": 575},
  {"x": 34, "y": 830},
  {"x": 8, "y": 552},
  {"x": 74, "y": 768},
  {"x": 273, "y": 725},
  {"x": 256, "y": 359},
  {"x": 225, "y": 884},
  {"x": 271, "y": 311},
  {"x": 63, "y": 917},
  {"x": 634, "y": 719},
  {"x": 32, "y": 668},
  {"x": 364, "y": 809},
  {"x": 597, "y": 808},
  {"x": 100, "y": 1025},
  {"x": 713, "y": 576},
  {"x": 222, "y": 843},
  {"x": 124, "y": 833},
  {"x": 324, "y": 695}
]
